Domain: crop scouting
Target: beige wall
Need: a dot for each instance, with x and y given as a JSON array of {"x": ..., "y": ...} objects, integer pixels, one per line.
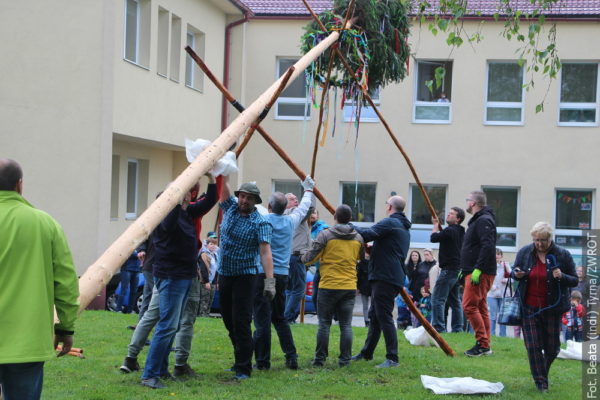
[
  {"x": 53, "y": 102},
  {"x": 465, "y": 154}
]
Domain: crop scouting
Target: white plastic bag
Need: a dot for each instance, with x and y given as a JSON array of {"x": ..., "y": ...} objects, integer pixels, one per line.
[
  {"x": 419, "y": 337},
  {"x": 466, "y": 385},
  {"x": 225, "y": 166},
  {"x": 574, "y": 351}
]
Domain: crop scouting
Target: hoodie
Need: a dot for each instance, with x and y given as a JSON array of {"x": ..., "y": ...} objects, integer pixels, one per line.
[
  {"x": 479, "y": 245},
  {"x": 338, "y": 249},
  {"x": 391, "y": 240}
]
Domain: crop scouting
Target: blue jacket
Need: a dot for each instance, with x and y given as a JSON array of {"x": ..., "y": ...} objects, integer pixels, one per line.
[
  {"x": 391, "y": 240},
  {"x": 526, "y": 260},
  {"x": 175, "y": 243}
]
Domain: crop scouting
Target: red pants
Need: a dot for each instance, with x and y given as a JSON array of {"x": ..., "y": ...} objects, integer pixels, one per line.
[{"x": 475, "y": 305}]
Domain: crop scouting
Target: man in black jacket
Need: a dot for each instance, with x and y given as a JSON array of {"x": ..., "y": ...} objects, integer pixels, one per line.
[
  {"x": 446, "y": 285},
  {"x": 391, "y": 240},
  {"x": 478, "y": 266}
]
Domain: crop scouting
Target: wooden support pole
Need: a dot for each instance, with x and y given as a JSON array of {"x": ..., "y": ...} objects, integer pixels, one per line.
[
  {"x": 434, "y": 334},
  {"x": 100, "y": 272},
  {"x": 278, "y": 149}
]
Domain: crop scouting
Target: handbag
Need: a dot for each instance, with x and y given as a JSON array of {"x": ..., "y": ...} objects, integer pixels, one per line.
[{"x": 510, "y": 307}]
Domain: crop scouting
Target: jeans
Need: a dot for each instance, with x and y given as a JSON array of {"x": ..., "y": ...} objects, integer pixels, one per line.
[
  {"x": 476, "y": 309},
  {"x": 265, "y": 313},
  {"x": 494, "y": 306},
  {"x": 446, "y": 292},
  {"x": 381, "y": 320},
  {"x": 22, "y": 381},
  {"x": 341, "y": 303},
  {"x": 129, "y": 282},
  {"x": 172, "y": 296},
  {"x": 147, "y": 294},
  {"x": 185, "y": 334},
  {"x": 236, "y": 297},
  {"x": 296, "y": 288},
  {"x": 144, "y": 326}
]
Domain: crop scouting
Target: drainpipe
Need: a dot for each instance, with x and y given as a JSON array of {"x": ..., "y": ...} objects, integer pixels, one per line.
[{"x": 226, "y": 67}]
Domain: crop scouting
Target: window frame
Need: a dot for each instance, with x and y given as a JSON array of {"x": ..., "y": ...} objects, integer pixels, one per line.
[
  {"x": 424, "y": 227},
  {"x": 572, "y": 232},
  {"x": 290, "y": 100},
  {"x": 137, "y": 32},
  {"x": 198, "y": 44},
  {"x": 132, "y": 215},
  {"x": 503, "y": 104},
  {"x": 364, "y": 224},
  {"x": 506, "y": 229},
  {"x": 579, "y": 106},
  {"x": 274, "y": 182},
  {"x": 417, "y": 103},
  {"x": 350, "y": 106}
]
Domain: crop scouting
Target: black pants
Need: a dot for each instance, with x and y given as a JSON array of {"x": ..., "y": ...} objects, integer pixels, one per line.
[
  {"x": 237, "y": 298},
  {"x": 381, "y": 320},
  {"x": 267, "y": 312}
]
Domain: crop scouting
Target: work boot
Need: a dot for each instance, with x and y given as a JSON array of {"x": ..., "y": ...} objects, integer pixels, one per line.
[
  {"x": 181, "y": 371},
  {"x": 130, "y": 364}
]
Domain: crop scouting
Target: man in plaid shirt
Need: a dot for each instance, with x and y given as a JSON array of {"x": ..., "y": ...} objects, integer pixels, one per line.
[{"x": 245, "y": 236}]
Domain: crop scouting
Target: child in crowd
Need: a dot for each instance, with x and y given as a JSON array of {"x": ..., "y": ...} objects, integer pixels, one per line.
[
  {"x": 573, "y": 319},
  {"x": 207, "y": 264},
  {"x": 403, "y": 318},
  {"x": 425, "y": 303}
]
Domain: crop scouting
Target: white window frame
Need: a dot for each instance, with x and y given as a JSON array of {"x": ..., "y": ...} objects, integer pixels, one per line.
[
  {"x": 417, "y": 103},
  {"x": 573, "y": 232},
  {"x": 505, "y": 229},
  {"x": 196, "y": 81},
  {"x": 367, "y": 114},
  {"x": 360, "y": 223},
  {"x": 274, "y": 182},
  {"x": 291, "y": 100},
  {"x": 580, "y": 106},
  {"x": 137, "y": 32},
  {"x": 424, "y": 227},
  {"x": 503, "y": 104},
  {"x": 134, "y": 214}
]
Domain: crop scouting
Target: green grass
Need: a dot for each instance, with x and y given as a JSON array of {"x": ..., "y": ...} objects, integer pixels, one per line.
[{"x": 104, "y": 338}]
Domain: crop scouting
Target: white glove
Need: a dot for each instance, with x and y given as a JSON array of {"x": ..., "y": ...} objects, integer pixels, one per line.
[
  {"x": 308, "y": 183},
  {"x": 225, "y": 166},
  {"x": 269, "y": 290}
]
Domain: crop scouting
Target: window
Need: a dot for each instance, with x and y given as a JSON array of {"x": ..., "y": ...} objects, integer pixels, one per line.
[
  {"x": 420, "y": 215},
  {"x": 194, "y": 78},
  {"x": 433, "y": 104},
  {"x": 114, "y": 187},
  {"x": 175, "y": 47},
  {"x": 367, "y": 113},
  {"x": 361, "y": 198},
  {"x": 574, "y": 213},
  {"x": 132, "y": 189},
  {"x": 504, "y": 202},
  {"x": 504, "y": 101},
  {"x": 288, "y": 186},
  {"x": 137, "y": 32},
  {"x": 292, "y": 104},
  {"x": 162, "y": 48},
  {"x": 579, "y": 103}
]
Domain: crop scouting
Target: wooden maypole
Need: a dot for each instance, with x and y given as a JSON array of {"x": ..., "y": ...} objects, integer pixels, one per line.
[{"x": 100, "y": 272}]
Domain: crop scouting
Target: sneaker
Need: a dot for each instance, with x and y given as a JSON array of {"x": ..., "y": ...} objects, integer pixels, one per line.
[
  {"x": 291, "y": 363},
  {"x": 130, "y": 364},
  {"x": 153, "y": 383},
  {"x": 387, "y": 364},
  {"x": 317, "y": 363},
  {"x": 477, "y": 351},
  {"x": 241, "y": 377},
  {"x": 181, "y": 371},
  {"x": 359, "y": 357}
]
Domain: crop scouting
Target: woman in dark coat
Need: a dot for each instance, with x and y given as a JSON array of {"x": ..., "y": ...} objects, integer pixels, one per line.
[
  {"x": 545, "y": 273},
  {"x": 420, "y": 274}
]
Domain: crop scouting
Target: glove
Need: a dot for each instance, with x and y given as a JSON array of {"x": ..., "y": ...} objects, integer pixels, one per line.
[
  {"x": 308, "y": 183},
  {"x": 269, "y": 290},
  {"x": 475, "y": 276}
]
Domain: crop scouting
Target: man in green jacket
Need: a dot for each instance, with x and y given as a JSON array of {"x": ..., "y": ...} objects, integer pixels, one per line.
[{"x": 36, "y": 274}]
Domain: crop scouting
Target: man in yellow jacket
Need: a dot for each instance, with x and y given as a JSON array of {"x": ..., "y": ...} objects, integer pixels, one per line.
[
  {"x": 338, "y": 249},
  {"x": 36, "y": 274}
]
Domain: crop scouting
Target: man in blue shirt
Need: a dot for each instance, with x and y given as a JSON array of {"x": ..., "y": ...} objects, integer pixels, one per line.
[
  {"x": 245, "y": 234},
  {"x": 272, "y": 311}
]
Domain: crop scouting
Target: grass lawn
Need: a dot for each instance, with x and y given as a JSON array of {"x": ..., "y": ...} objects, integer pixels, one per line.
[{"x": 104, "y": 338}]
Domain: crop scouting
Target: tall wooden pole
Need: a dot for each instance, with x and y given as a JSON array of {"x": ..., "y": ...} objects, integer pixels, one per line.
[
  {"x": 278, "y": 149},
  {"x": 434, "y": 334},
  {"x": 100, "y": 272}
]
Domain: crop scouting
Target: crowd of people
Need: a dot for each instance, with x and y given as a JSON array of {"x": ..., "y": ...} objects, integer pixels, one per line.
[{"x": 258, "y": 263}]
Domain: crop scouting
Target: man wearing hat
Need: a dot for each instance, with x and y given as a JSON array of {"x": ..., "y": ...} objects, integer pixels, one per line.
[{"x": 245, "y": 235}]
